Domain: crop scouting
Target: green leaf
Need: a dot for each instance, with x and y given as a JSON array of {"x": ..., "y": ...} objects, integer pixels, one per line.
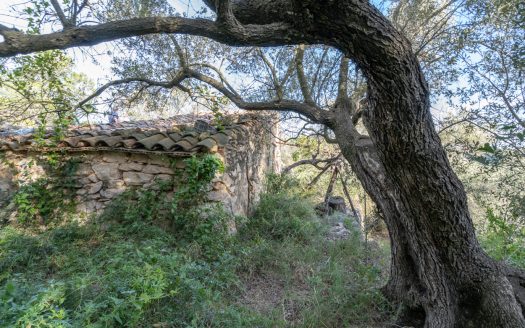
[{"x": 487, "y": 148}]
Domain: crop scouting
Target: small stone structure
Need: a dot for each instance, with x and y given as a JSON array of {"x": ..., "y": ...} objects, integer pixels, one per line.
[{"x": 112, "y": 159}]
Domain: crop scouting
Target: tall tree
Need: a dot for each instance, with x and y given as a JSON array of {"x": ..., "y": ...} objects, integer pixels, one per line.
[{"x": 439, "y": 271}]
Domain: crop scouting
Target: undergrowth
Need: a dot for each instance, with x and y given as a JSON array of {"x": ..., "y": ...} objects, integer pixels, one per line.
[
  {"x": 126, "y": 268},
  {"x": 504, "y": 240}
]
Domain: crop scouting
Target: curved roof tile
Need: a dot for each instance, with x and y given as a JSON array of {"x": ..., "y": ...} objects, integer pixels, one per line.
[{"x": 143, "y": 136}]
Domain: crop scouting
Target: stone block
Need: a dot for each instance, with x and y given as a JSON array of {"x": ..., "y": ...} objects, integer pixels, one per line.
[
  {"x": 106, "y": 171},
  {"x": 179, "y": 164},
  {"x": 217, "y": 196},
  {"x": 139, "y": 158},
  {"x": 94, "y": 188},
  {"x": 163, "y": 177},
  {"x": 111, "y": 193},
  {"x": 112, "y": 184},
  {"x": 93, "y": 178},
  {"x": 84, "y": 169},
  {"x": 115, "y": 157},
  {"x": 136, "y": 178},
  {"x": 159, "y": 160},
  {"x": 82, "y": 192},
  {"x": 219, "y": 186},
  {"x": 131, "y": 166},
  {"x": 156, "y": 169}
]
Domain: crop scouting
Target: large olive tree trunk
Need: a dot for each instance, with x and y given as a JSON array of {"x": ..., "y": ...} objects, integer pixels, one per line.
[{"x": 439, "y": 270}]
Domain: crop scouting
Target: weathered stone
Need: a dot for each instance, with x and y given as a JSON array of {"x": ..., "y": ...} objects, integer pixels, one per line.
[
  {"x": 115, "y": 157},
  {"x": 106, "y": 171},
  {"x": 99, "y": 206},
  {"x": 140, "y": 158},
  {"x": 115, "y": 184},
  {"x": 180, "y": 164},
  {"x": 95, "y": 188},
  {"x": 82, "y": 192},
  {"x": 132, "y": 166},
  {"x": 159, "y": 160},
  {"x": 219, "y": 186},
  {"x": 163, "y": 177},
  {"x": 136, "y": 178},
  {"x": 93, "y": 178},
  {"x": 89, "y": 206},
  {"x": 93, "y": 196},
  {"x": 217, "y": 196},
  {"x": 84, "y": 169},
  {"x": 156, "y": 169},
  {"x": 111, "y": 193}
]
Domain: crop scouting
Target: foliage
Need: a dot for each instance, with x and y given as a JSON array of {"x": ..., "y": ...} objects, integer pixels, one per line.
[
  {"x": 47, "y": 198},
  {"x": 124, "y": 270},
  {"x": 281, "y": 213},
  {"x": 196, "y": 222},
  {"x": 326, "y": 283},
  {"x": 41, "y": 90},
  {"x": 198, "y": 174},
  {"x": 505, "y": 240}
]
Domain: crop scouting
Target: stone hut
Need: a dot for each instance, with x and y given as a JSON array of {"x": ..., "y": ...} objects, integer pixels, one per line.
[{"x": 113, "y": 158}]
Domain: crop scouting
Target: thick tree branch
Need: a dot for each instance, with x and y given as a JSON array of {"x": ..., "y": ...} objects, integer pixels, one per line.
[
  {"x": 309, "y": 111},
  {"x": 268, "y": 35}
]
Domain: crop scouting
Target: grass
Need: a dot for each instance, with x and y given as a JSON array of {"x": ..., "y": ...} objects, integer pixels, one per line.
[{"x": 124, "y": 270}]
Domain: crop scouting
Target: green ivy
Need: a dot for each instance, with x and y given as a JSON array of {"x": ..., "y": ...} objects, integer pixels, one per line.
[
  {"x": 50, "y": 197},
  {"x": 205, "y": 226}
]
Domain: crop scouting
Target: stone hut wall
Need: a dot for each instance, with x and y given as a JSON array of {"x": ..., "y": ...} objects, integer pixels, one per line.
[{"x": 101, "y": 176}]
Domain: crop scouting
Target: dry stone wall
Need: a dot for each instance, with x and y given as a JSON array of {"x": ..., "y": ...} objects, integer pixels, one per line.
[{"x": 102, "y": 176}]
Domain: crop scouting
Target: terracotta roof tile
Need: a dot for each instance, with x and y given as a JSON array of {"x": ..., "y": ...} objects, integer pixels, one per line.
[{"x": 164, "y": 136}]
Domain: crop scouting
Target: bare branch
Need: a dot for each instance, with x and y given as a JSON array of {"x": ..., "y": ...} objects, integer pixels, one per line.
[
  {"x": 273, "y": 72},
  {"x": 314, "y": 162},
  {"x": 299, "y": 56},
  {"x": 66, "y": 23},
  {"x": 170, "y": 84},
  {"x": 342, "y": 87}
]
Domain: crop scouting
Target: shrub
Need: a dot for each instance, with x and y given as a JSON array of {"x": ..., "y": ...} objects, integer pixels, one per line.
[
  {"x": 281, "y": 213},
  {"x": 504, "y": 240}
]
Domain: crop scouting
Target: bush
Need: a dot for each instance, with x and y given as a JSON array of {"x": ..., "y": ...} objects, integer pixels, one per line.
[
  {"x": 122, "y": 270},
  {"x": 281, "y": 213},
  {"x": 504, "y": 240}
]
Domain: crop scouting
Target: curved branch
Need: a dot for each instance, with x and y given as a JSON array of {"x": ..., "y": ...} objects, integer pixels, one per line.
[
  {"x": 278, "y": 87},
  {"x": 314, "y": 162},
  {"x": 311, "y": 112},
  {"x": 180, "y": 76},
  {"x": 263, "y": 35}
]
